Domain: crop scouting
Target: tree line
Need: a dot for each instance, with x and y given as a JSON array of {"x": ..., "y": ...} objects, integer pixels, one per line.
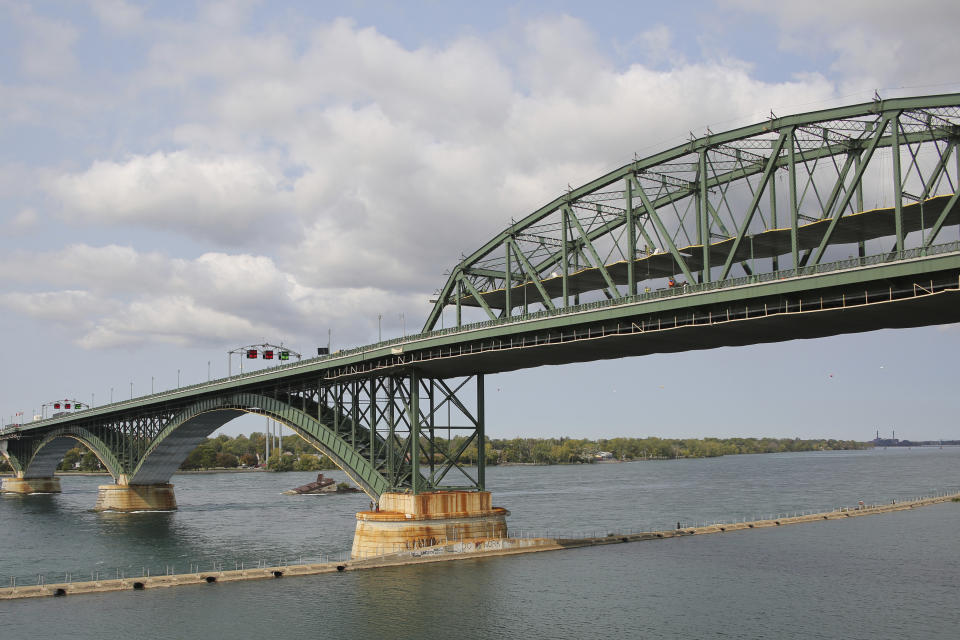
[
  {"x": 295, "y": 454},
  {"x": 225, "y": 452},
  {"x": 573, "y": 450}
]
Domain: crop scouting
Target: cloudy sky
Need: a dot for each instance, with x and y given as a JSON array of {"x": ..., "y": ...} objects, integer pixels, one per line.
[{"x": 181, "y": 178}]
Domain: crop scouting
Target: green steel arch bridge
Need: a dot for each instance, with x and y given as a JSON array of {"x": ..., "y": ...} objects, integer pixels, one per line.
[{"x": 811, "y": 225}]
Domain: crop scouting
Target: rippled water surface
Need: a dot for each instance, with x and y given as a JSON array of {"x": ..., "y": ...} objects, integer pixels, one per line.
[{"x": 889, "y": 576}]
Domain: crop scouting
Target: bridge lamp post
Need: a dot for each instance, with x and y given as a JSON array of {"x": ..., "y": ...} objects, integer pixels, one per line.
[
  {"x": 131, "y": 389},
  {"x": 208, "y": 371},
  {"x": 111, "y": 395},
  {"x": 379, "y": 327},
  {"x": 178, "y": 378}
]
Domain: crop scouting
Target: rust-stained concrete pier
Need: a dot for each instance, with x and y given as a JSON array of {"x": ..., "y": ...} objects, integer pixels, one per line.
[{"x": 404, "y": 521}]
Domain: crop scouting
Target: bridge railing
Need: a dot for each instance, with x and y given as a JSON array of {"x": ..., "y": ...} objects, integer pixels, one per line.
[
  {"x": 647, "y": 296},
  {"x": 688, "y": 288}
]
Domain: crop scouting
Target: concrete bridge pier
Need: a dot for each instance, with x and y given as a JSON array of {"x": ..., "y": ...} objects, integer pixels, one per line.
[
  {"x": 19, "y": 484},
  {"x": 135, "y": 497},
  {"x": 406, "y": 521}
]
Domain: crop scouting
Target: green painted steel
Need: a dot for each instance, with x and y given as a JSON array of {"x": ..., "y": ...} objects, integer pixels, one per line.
[
  {"x": 571, "y": 283},
  {"x": 22, "y": 453},
  {"x": 312, "y": 430},
  {"x": 696, "y": 192},
  {"x": 93, "y": 442}
]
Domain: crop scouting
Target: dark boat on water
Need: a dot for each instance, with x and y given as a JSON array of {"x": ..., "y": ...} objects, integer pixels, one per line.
[{"x": 320, "y": 485}]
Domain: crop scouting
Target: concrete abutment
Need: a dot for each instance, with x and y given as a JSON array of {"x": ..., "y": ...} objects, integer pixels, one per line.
[
  {"x": 406, "y": 521},
  {"x": 19, "y": 484},
  {"x": 135, "y": 497}
]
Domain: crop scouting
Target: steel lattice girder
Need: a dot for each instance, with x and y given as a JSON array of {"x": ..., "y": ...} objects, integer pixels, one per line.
[
  {"x": 704, "y": 207},
  {"x": 365, "y": 396},
  {"x": 374, "y": 427}
]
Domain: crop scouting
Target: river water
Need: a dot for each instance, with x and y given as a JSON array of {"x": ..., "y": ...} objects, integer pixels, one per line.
[{"x": 889, "y": 576}]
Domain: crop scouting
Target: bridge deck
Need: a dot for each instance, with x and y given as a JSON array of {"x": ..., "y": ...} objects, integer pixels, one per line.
[{"x": 832, "y": 299}]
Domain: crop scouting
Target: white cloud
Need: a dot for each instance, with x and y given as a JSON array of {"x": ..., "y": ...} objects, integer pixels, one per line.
[
  {"x": 872, "y": 44},
  {"x": 655, "y": 47},
  {"x": 118, "y": 15},
  {"x": 176, "y": 320},
  {"x": 46, "y": 45},
  {"x": 24, "y": 220},
  {"x": 335, "y": 169},
  {"x": 225, "y": 198},
  {"x": 341, "y": 174},
  {"x": 65, "y": 307},
  {"x": 115, "y": 296}
]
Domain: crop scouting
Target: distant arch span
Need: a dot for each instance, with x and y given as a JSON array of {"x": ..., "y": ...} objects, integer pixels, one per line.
[
  {"x": 188, "y": 429},
  {"x": 50, "y": 451}
]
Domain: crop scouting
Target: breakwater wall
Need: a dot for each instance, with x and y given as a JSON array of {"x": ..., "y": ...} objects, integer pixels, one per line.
[{"x": 460, "y": 550}]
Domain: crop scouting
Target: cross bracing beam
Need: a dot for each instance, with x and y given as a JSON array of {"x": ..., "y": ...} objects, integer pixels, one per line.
[
  {"x": 704, "y": 170},
  {"x": 372, "y": 397},
  {"x": 866, "y": 225},
  {"x": 374, "y": 408},
  {"x": 378, "y": 428}
]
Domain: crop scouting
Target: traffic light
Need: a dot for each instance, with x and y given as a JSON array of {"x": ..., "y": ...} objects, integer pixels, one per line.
[
  {"x": 251, "y": 354},
  {"x": 284, "y": 355},
  {"x": 268, "y": 354},
  {"x": 323, "y": 351},
  {"x": 56, "y": 405}
]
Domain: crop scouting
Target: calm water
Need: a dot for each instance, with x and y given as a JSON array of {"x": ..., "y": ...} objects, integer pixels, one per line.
[{"x": 889, "y": 576}]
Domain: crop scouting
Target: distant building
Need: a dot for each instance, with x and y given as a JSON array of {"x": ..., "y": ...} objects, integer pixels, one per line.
[{"x": 603, "y": 455}]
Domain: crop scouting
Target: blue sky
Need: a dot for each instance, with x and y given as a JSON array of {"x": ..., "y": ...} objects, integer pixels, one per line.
[{"x": 178, "y": 179}]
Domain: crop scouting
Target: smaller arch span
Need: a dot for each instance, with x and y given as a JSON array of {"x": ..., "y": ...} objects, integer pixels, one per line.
[
  {"x": 50, "y": 451},
  {"x": 188, "y": 429}
]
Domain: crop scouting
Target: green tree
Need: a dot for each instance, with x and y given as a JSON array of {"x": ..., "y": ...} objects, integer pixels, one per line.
[
  {"x": 227, "y": 460},
  {"x": 308, "y": 462},
  {"x": 90, "y": 462},
  {"x": 280, "y": 462},
  {"x": 203, "y": 457},
  {"x": 543, "y": 453},
  {"x": 70, "y": 459}
]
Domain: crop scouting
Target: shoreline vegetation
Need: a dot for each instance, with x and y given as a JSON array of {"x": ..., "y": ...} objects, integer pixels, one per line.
[{"x": 295, "y": 454}]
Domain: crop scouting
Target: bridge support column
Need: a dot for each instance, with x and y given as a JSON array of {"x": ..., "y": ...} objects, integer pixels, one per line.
[
  {"x": 406, "y": 521},
  {"x": 135, "y": 497},
  {"x": 19, "y": 484}
]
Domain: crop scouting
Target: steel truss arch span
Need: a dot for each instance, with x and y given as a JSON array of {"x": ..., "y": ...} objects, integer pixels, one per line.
[
  {"x": 47, "y": 453},
  {"x": 188, "y": 428},
  {"x": 783, "y": 194}
]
